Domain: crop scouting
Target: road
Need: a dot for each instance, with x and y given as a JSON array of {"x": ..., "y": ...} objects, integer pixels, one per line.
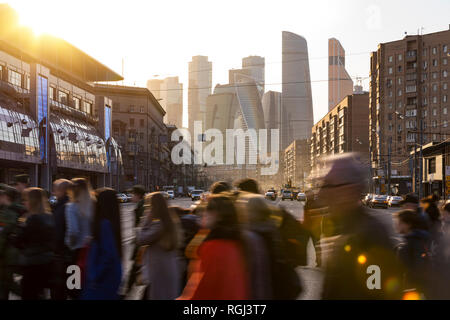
[{"x": 310, "y": 275}]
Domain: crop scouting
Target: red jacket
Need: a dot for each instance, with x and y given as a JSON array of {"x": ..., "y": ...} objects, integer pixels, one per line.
[{"x": 221, "y": 273}]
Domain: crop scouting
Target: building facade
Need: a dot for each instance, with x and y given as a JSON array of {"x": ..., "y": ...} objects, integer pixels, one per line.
[
  {"x": 297, "y": 164},
  {"x": 138, "y": 127},
  {"x": 340, "y": 84},
  {"x": 409, "y": 104},
  {"x": 344, "y": 129},
  {"x": 46, "y": 80},
  {"x": 200, "y": 87},
  {"x": 169, "y": 93},
  {"x": 297, "y": 116}
]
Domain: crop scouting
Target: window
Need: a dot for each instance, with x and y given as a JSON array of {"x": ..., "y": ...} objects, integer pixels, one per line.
[
  {"x": 445, "y": 124},
  {"x": 131, "y": 108},
  {"x": 87, "y": 107},
  {"x": 444, "y": 86},
  {"x": 52, "y": 93},
  {"x": 434, "y": 123},
  {"x": 399, "y": 92},
  {"x": 434, "y": 112},
  {"x": 400, "y": 68},
  {"x": 142, "y": 109},
  {"x": 444, "y": 111},
  {"x": 390, "y": 105},
  {"x": 63, "y": 97},
  {"x": 390, "y": 116},
  {"x": 400, "y": 57},
  {"x": 445, "y": 73},
  {"x": 141, "y": 136},
  {"x": 424, "y": 113},
  {"x": 411, "y": 89},
  {"x": 390, "y": 70},
  {"x": 425, "y": 65},
  {"x": 445, "y": 48},
  {"x": 399, "y": 81},
  {"x": 434, "y": 75},
  {"x": 390, "y": 59},
  {"x": 1, "y": 72},
  {"x": 131, "y": 122},
  {"x": 434, "y": 137},
  {"x": 435, "y": 87},
  {"x": 444, "y": 98},
  {"x": 445, "y": 61},
  {"x": 435, "y": 63},
  {"x": 390, "y": 94},
  {"x": 425, "y": 101},
  {"x": 390, "y": 127},
  {"x": 399, "y": 104},
  {"x": 411, "y": 113},
  {"x": 434, "y": 99},
  {"x": 76, "y": 103},
  {"x": 424, "y": 76},
  {"x": 15, "y": 78},
  {"x": 431, "y": 165},
  {"x": 434, "y": 50},
  {"x": 141, "y": 122}
]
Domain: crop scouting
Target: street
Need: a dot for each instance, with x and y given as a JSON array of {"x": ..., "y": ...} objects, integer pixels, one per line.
[{"x": 310, "y": 276}]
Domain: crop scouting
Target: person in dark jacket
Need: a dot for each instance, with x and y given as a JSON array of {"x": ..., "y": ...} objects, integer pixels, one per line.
[
  {"x": 361, "y": 239},
  {"x": 414, "y": 252},
  {"x": 312, "y": 223},
  {"x": 8, "y": 253},
  {"x": 104, "y": 262},
  {"x": 138, "y": 193},
  {"x": 63, "y": 255},
  {"x": 36, "y": 242}
]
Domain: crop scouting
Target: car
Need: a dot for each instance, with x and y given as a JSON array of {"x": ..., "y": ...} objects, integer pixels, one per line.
[
  {"x": 171, "y": 194},
  {"x": 301, "y": 197},
  {"x": 129, "y": 196},
  {"x": 379, "y": 201},
  {"x": 122, "y": 198},
  {"x": 367, "y": 199},
  {"x": 196, "y": 195},
  {"x": 395, "y": 201},
  {"x": 271, "y": 195},
  {"x": 286, "y": 194},
  {"x": 53, "y": 200}
]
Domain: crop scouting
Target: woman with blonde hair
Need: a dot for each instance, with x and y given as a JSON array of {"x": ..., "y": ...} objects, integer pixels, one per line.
[
  {"x": 35, "y": 239},
  {"x": 161, "y": 234}
]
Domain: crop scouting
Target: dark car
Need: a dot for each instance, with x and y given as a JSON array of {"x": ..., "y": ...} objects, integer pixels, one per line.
[{"x": 196, "y": 195}]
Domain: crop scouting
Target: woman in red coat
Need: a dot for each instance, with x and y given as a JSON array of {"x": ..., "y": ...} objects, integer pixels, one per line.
[{"x": 220, "y": 272}]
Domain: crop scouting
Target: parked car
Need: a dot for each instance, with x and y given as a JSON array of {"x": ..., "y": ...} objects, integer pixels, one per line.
[
  {"x": 395, "y": 201},
  {"x": 301, "y": 196},
  {"x": 171, "y": 194},
  {"x": 379, "y": 201},
  {"x": 196, "y": 195},
  {"x": 129, "y": 196},
  {"x": 271, "y": 195},
  {"x": 122, "y": 198},
  {"x": 286, "y": 194}
]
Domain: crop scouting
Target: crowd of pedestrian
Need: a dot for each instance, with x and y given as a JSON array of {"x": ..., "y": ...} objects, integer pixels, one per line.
[{"x": 232, "y": 245}]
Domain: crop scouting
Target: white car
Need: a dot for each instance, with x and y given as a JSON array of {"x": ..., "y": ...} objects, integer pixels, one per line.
[
  {"x": 171, "y": 194},
  {"x": 122, "y": 198}
]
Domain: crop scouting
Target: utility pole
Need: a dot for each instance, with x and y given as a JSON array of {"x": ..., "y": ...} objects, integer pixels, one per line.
[{"x": 389, "y": 167}]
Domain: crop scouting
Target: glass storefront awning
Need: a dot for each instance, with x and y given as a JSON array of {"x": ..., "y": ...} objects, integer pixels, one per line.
[
  {"x": 18, "y": 136},
  {"x": 78, "y": 145}
]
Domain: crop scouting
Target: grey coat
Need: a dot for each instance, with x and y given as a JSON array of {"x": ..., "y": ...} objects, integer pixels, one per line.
[{"x": 161, "y": 268}]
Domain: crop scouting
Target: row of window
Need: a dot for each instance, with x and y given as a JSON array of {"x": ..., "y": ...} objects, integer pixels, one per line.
[
  {"x": 77, "y": 103},
  {"x": 15, "y": 78},
  {"x": 413, "y": 53},
  {"x": 131, "y": 108},
  {"x": 434, "y": 75}
]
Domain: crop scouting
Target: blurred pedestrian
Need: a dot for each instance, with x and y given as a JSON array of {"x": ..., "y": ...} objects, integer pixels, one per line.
[
  {"x": 361, "y": 239},
  {"x": 433, "y": 215},
  {"x": 220, "y": 186},
  {"x": 8, "y": 253},
  {"x": 104, "y": 264},
  {"x": 162, "y": 236},
  {"x": 63, "y": 256},
  {"x": 411, "y": 202},
  {"x": 414, "y": 252},
  {"x": 248, "y": 185},
  {"x": 36, "y": 241},
  {"x": 138, "y": 193},
  {"x": 21, "y": 182},
  {"x": 221, "y": 271},
  {"x": 312, "y": 223},
  {"x": 190, "y": 225}
]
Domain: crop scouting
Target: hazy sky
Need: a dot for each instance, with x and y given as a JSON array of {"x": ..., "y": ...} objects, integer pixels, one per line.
[{"x": 160, "y": 37}]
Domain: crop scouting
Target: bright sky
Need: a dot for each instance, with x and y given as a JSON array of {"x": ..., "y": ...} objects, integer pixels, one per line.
[{"x": 160, "y": 37}]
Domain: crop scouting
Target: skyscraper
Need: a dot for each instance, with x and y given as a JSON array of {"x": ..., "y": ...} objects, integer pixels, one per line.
[
  {"x": 340, "y": 84},
  {"x": 200, "y": 84},
  {"x": 297, "y": 111},
  {"x": 169, "y": 92}
]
